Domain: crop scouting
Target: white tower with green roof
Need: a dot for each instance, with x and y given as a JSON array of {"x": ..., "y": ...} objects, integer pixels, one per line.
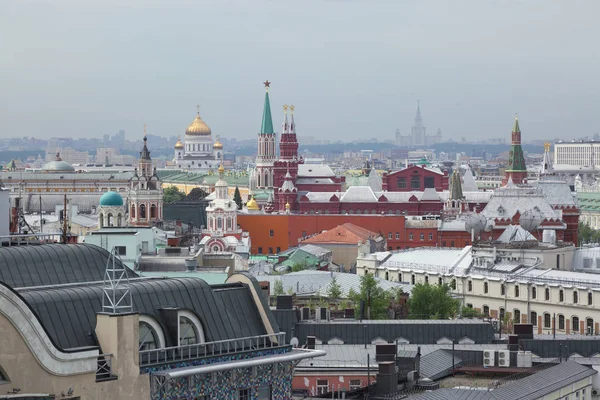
[{"x": 267, "y": 147}]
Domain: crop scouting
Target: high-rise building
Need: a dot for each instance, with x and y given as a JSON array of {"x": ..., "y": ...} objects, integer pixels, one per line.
[{"x": 418, "y": 134}]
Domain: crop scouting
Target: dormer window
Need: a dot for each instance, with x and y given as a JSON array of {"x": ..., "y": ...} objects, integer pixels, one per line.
[{"x": 500, "y": 210}]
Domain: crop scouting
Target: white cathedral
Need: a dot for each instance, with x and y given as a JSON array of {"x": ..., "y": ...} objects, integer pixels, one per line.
[{"x": 198, "y": 152}]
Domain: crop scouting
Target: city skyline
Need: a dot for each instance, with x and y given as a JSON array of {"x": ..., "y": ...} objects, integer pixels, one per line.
[{"x": 352, "y": 70}]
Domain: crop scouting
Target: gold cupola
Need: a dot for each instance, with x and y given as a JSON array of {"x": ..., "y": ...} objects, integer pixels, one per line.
[
  {"x": 179, "y": 145},
  {"x": 218, "y": 145},
  {"x": 252, "y": 205},
  {"x": 198, "y": 127}
]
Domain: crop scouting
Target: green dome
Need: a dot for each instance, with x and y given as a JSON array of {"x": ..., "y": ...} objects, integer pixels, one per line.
[{"x": 111, "y": 199}]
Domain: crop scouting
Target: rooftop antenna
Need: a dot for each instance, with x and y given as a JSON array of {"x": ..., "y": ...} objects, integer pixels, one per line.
[{"x": 117, "y": 296}]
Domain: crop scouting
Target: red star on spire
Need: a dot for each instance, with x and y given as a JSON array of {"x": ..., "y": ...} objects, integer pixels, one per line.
[{"x": 267, "y": 84}]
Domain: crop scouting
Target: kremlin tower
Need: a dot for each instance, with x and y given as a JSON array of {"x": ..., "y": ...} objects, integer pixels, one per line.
[
  {"x": 267, "y": 140},
  {"x": 516, "y": 170}
]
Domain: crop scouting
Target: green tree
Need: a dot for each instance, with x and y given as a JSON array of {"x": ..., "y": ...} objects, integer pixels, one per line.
[
  {"x": 298, "y": 267},
  {"x": 470, "y": 312},
  {"x": 335, "y": 290},
  {"x": 432, "y": 302},
  {"x": 237, "y": 197},
  {"x": 196, "y": 194},
  {"x": 376, "y": 300},
  {"x": 278, "y": 288},
  {"x": 171, "y": 194}
]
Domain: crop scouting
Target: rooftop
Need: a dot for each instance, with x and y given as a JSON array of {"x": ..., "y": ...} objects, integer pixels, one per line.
[{"x": 345, "y": 234}]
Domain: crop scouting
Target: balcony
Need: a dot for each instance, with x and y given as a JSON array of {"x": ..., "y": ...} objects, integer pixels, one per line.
[{"x": 210, "y": 349}]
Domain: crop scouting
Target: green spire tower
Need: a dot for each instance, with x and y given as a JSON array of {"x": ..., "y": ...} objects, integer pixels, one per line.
[
  {"x": 516, "y": 170},
  {"x": 267, "y": 141},
  {"x": 267, "y": 121}
]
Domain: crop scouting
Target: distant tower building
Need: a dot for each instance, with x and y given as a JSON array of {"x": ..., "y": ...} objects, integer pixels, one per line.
[
  {"x": 146, "y": 196},
  {"x": 111, "y": 211},
  {"x": 547, "y": 161},
  {"x": 456, "y": 200},
  {"x": 418, "y": 132},
  {"x": 288, "y": 150},
  {"x": 267, "y": 140},
  {"x": 198, "y": 152},
  {"x": 287, "y": 195},
  {"x": 179, "y": 150},
  {"x": 222, "y": 233},
  {"x": 516, "y": 169}
]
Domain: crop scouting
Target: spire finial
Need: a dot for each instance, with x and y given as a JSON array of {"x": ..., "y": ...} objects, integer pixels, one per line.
[
  {"x": 285, "y": 108},
  {"x": 145, "y": 132},
  {"x": 198, "y": 109},
  {"x": 292, "y": 108},
  {"x": 267, "y": 85}
]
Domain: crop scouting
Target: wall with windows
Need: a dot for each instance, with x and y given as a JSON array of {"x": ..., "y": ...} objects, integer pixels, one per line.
[
  {"x": 311, "y": 383},
  {"x": 416, "y": 178},
  {"x": 569, "y": 308}
]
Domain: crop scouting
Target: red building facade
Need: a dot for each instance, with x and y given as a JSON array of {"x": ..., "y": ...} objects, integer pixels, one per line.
[{"x": 416, "y": 178}]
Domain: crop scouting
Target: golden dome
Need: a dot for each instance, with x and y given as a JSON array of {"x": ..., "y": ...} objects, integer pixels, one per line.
[
  {"x": 252, "y": 205},
  {"x": 198, "y": 127},
  {"x": 218, "y": 145},
  {"x": 221, "y": 169},
  {"x": 179, "y": 145},
  {"x": 287, "y": 206}
]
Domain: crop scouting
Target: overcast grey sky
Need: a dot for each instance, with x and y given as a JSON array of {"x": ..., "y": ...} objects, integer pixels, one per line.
[{"x": 352, "y": 68}]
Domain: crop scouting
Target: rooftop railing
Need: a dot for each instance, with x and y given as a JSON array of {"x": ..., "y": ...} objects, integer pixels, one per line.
[{"x": 210, "y": 349}]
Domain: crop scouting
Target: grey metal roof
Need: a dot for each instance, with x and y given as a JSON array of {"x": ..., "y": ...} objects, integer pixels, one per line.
[
  {"x": 226, "y": 311},
  {"x": 454, "y": 394},
  {"x": 53, "y": 264},
  {"x": 438, "y": 364},
  {"x": 544, "y": 382}
]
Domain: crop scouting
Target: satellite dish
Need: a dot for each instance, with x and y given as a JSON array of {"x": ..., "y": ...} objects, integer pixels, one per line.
[
  {"x": 530, "y": 220},
  {"x": 294, "y": 342},
  {"x": 475, "y": 224}
]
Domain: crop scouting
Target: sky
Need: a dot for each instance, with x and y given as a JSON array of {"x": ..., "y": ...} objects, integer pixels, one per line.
[{"x": 352, "y": 68}]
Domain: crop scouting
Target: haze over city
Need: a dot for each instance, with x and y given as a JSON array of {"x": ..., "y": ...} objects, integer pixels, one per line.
[{"x": 353, "y": 69}]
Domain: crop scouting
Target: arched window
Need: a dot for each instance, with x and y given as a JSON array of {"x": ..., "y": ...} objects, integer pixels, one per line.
[
  {"x": 440, "y": 281},
  {"x": 119, "y": 220},
  {"x": 486, "y": 311},
  {"x": 132, "y": 211},
  {"x": 400, "y": 277},
  {"x": 151, "y": 335},
  {"x": 533, "y": 293},
  {"x": 101, "y": 220},
  {"x": 502, "y": 290},
  {"x": 426, "y": 279},
  {"x": 516, "y": 290},
  {"x": 561, "y": 295},
  {"x": 547, "y": 294},
  {"x": 219, "y": 223},
  {"x": 501, "y": 313},
  {"x": 109, "y": 220},
  {"x": 517, "y": 316},
  {"x": 413, "y": 279},
  {"x": 575, "y": 297},
  {"x": 547, "y": 321},
  {"x": 533, "y": 318},
  {"x": 143, "y": 211},
  {"x": 575, "y": 323},
  {"x": 153, "y": 213},
  {"x": 470, "y": 286},
  {"x": 387, "y": 276},
  {"x": 561, "y": 322},
  {"x": 190, "y": 329},
  {"x": 589, "y": 326},
  {"x": 485, "y": 287},
  {"x": 590, "y": 299}
]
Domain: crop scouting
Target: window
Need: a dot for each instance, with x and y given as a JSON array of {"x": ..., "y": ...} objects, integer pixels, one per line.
[
  {"x": 430, "y": 236},
  {"x": 575, "y": 322},
  {"x": 400, "y": 277},
  {"x": 469, "y": 305},
  {"x": 415, "y": 182},
  {"x": 270, "y": 250},
  {"x": 444, "y": 243},
  {"x": 486, "y": 311},
  {"x": 389, "y": 235},
  {"x": 355, "y": 384},
  {"x": 264, "y": 393},
  {"x": 533, "y": 320},
  {"x": 590, "y": 299},
  {"x": 304, "y": 233},
  {"x": 121, "y": 250},
  {"x": 440, "y": 281},
  {"x": 589, "y": 326},
  {"x": 547, "y": 321},
  {"x": 575, "y": 297},
  {"x": 260, "y": 250},
  {"x": 485, "y": 287},
  {"x": 516, "y": 290},
  {"x": 322, "y": 386},
  {"x": 278, "y": 249},
  {"x": 501, "y": 313},
  {"x": 533, "y": 293},
  {"x": 502, "y": 290},
  {"x": 547, "y": 294},
  {"x": 429, "y": 182},
  {"x": 558, "y": 261},
  {"x": 561, "y": 295},
  {"x": 397, "y": 235},
  {"x": 271, "y": 233},
  {"x": 453, "y": 284},
  {"x": 517, "y": 316},
  {"x": 561, "y": 322},
  {"x": 470, "y": 286},
  {"x": 452, "y": 243},
  {"x": 413, "y": 279},
  {"x": 148, "y": 335},
  {"x": 187, "y": 332},
  {"x": 401, "y": 183},
  {"x": 422, "y": 236},
  {"x": 426, "y": 279},
  {"x": 410, "y": 236},
  {"x": 244, "y": 394}
]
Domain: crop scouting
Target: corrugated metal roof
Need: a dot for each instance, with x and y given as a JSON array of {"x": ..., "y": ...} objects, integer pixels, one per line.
[
  {"x": 438, "y": 364},
  {"x": 53, "y": 264},
  {"x": 68, "y": 314}
]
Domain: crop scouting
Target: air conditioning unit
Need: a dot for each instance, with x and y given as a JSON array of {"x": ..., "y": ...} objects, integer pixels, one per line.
[
  {"x": 489, "y": 358},
  {"x": 496, "y": 325},
  {"x": 595, "y": 392},
  {"x": 504, "y": 358},
  {"x": 304, "y": 314}
]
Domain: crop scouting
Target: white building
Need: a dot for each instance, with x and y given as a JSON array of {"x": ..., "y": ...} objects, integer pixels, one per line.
[
  {"x": 525, "y": 281},
  {"x": 198, "y": 152},
  {"x": 581, "y": 154}
]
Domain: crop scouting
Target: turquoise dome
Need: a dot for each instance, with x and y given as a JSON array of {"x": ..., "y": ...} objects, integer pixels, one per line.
[{"x": 111, "y": 199}]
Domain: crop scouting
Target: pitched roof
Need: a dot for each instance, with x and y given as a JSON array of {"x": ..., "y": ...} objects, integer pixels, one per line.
[{"x": 347, "y": 234}]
